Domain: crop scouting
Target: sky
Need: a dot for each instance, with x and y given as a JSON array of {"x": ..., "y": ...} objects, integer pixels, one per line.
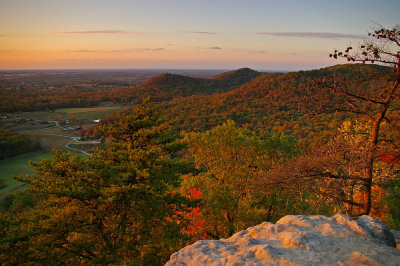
[{"x": 185, "y": 34}]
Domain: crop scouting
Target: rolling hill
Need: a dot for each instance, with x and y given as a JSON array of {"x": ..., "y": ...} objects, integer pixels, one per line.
[
  {"x": 268, "y": 102},
  {"x": 262, "y": 102},
  {"x": 168, "y": 86}
]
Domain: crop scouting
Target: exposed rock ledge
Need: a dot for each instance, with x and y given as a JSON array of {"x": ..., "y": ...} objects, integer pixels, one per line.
[{"x": 299, "y": 240}]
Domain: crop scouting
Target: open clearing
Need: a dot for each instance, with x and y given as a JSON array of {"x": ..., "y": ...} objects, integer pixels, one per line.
[
  {"x": 49, "y": 135},
  {"x": 83, "y": 115},
  {"x": 48, "y": 143},
  {"x": 88, "y": 109},
  {"x": 16, "y": 166},
  {"x": 31, "y": 123}
]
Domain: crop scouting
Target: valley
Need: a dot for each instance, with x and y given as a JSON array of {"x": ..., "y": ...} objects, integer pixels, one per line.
[
  {"x": 199, "y": 132},
  {"x": 60, "y": 129},
  {"x": 256, "y": 145}
]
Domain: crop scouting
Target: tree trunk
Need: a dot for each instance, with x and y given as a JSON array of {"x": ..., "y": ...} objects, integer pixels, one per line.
[{"x": 367, "y": 183}]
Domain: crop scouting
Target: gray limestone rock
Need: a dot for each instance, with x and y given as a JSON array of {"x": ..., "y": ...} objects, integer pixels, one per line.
[{"x": 299, "y": 240}]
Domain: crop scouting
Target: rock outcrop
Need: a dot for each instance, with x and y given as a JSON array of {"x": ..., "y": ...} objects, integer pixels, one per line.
[{"x": 299, "y": 240}]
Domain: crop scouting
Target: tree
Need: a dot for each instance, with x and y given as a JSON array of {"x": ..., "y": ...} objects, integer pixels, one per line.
[
  {"x": 113, "y": 207},
  {"x": 375, "y": 101},
  {"x": 90, "y": 131},
  {"x": 230, "y": 161},
  {"x": 385, "y": 49},
  {"x": 333, "y": 172}
]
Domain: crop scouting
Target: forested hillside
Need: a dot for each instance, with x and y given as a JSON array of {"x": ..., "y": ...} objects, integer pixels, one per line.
[
  {"x": 43, "y": 91},
  {"x": 268, "y": 102},
  {"x": 205, "y": 158},
  {"x": 168, "y": 86}
]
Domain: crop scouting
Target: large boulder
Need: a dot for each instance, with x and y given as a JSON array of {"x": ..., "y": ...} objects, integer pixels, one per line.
[{"x": 299, "y": 240}]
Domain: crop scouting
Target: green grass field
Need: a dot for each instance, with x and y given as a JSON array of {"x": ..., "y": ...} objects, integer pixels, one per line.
[
  {"x": 88, "y": 109},
  {"x": 18, "y": 165},
  {"x": 48, "y": 143},
  {"x": 95, "y": 112}
]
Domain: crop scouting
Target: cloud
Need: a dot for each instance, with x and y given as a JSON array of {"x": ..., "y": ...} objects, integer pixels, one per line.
[
  {"x": 82, "y": 51},
  {"x": 259, "y": 52},
  {"x": 115, "y": 51},
  {"x": 321, "y": 35},
  {"x": 95, "y": 32},
  {"x": 200, "y": 32},
  {"x": 99, "y": 51},
  {"x": 151, "y": 49},
  {"x": 210, "y": 48}
]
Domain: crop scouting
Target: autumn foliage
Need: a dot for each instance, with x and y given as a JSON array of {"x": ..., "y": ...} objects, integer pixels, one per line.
[{"x": 205, "y": 158}]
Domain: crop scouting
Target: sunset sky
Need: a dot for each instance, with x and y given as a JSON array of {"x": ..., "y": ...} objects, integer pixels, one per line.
[{"x": 212, "y": 34}]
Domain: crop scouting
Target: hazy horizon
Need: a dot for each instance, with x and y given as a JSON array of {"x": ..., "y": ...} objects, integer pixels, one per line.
[
  {"x": 146, "y": 69},
  {"x": 227, "y": 34}
]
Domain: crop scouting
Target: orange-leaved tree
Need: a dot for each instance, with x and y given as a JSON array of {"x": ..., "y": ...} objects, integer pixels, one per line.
[
  {"x": 372, "y": 99},
  {"x": 380, "y": 106}
]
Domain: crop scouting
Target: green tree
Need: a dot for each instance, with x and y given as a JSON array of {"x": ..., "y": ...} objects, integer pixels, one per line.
[
  {"x": 113, "y": 207},
  {"x": 231, "y": 161},
  {"x": 6, "y": 200},
  {"x": 393, "y": 201}
]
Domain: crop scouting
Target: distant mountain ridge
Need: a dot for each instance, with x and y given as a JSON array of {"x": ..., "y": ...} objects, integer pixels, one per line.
[
  {"x": 267, "y": 101},
  {"x": 168, "y": 86},
  {"x": 264, "y": 102},
  {"x": 240, "y": 75}
]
